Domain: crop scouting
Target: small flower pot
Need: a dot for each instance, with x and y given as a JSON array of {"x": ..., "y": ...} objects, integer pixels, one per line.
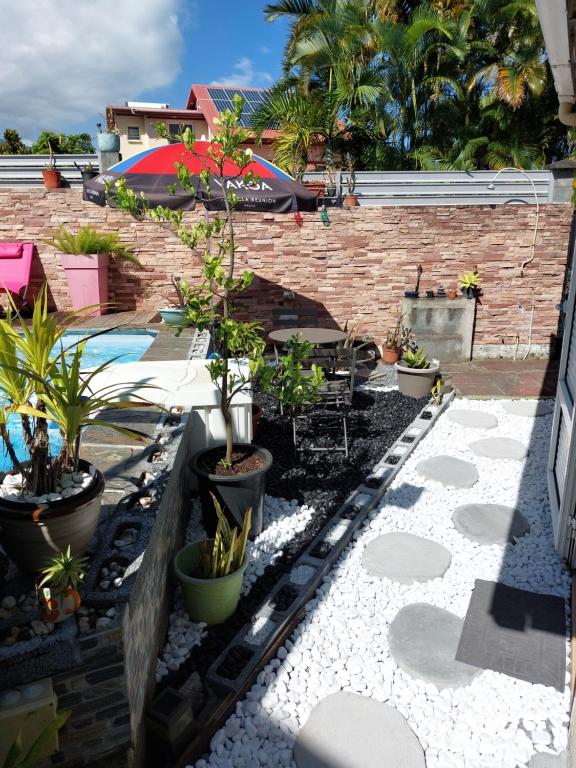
[
  {"x": 416, "y": 382},
  {"x": 210, "y": 600},
  {"x": 350, "y": 201},
  {"x": 430, "y": 294},
  {"x": 317, "y": 187},
  {"x": 88, "y": 175},
  {"x": 390, "y": 355},
  {"x": 469, "y": 292},
  {"x": 52, "y": 178},
  {"x": 108, "y": 142},
  {"x": 58, "y": 606},
  {"x": 410, "y": 294},
  {"x": 451, "y": 293},
  {"x": 331, "y": 190}
]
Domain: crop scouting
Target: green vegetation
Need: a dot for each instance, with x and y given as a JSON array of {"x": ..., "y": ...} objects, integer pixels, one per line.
[
  {"x": 18, "y": 757},
  {"x": 414, "y": 358},
  {"x": 401, "y": 84},
  {"x": 88, "y": 240},
  {"x": 469, "y": 280},
  {"x": 225, "y": 553},
  {"x": 64, "y": 570},
  {"x": 61, "y": 143}
]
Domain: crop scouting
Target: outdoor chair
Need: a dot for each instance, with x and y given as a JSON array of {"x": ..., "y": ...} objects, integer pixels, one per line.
[
  {"x": 339, "y": 366},
  {"x": 15, "y": 268}
]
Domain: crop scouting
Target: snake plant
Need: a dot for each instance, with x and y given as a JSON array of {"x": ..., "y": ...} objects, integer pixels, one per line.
[{"x": 225, "y": 553}]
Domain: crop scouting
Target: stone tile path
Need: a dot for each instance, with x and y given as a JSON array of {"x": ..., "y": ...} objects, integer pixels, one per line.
[{"x": 372, "y": 639}]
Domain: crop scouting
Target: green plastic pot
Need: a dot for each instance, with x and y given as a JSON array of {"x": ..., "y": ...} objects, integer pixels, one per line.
[{"x": 210, "y": 600}]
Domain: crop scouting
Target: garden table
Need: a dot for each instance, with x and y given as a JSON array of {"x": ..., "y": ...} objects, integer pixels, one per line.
[{"x": 316, "y": 336}]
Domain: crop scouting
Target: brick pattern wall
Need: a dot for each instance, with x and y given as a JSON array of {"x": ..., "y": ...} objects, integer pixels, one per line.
[{"x": 354, "y": 270}]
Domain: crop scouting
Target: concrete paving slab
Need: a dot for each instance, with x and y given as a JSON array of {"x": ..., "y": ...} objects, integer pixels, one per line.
[
  {"x": 543, "y": 760},
  {"x": 529, "y": 408},
  {"x": 449, "y": 471},
  {"x": 500, "y": 448},
  {"x": 406, "y": 558},
  {"x": 346, "y": 730},
  {"x": 490, "y": 523},
  {"x": 473, "y": 419},
  {"x": 423, "y": 642}
]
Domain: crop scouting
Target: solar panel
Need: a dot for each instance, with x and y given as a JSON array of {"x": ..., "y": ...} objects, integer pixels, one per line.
[{"x": 222, "y": 98}]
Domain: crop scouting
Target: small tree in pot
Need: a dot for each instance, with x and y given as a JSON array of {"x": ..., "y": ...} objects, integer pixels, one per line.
[
  {"x": 51, "y": 498},
  {"x": 397, "y": 339}
]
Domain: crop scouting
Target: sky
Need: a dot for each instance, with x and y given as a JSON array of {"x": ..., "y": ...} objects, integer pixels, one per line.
[{"x": 63, "y": 61}]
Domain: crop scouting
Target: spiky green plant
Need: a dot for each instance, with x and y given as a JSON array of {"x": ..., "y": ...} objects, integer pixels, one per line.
[
  {"x": 469, "y": 280},
  {"x": 64, "y": 570},
  {"x": 88, "y": 240},
  {"x": 436, "y": 392},
  {"x": 18, "y": 758},
  {"x": 225, "y": 553},
  {"x": 415, "y": 358}
]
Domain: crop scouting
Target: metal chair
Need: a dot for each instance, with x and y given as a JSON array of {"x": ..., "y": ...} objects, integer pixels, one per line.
[{"x": 336, "y": 394}]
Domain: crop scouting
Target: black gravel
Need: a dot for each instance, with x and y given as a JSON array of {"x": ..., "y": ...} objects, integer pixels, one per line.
[{"x": 323, "y": 480}]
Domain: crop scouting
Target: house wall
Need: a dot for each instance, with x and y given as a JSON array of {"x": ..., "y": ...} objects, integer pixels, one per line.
[
  {"x": 148, "y": 136},
  {"x": 356, "y": 269}
]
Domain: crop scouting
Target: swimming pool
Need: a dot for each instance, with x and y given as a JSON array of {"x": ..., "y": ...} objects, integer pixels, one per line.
[{"x": 127, "y": 346}]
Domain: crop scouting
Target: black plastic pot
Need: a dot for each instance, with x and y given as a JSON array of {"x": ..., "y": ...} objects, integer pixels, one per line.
[
  {"x": 469, "y": 292},
  {"x": 330, "y": 190},
  {"x": 411, "y": 294},
  {"x": 236, "y": 493},
  {"x": 87, "y": 175}
]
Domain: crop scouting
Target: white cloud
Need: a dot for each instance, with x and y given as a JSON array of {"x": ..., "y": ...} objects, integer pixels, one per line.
[
  {"x": 244, "y": 75},
  {"x": 63, "y": 61},
  {"x": 265, "y": 49}
]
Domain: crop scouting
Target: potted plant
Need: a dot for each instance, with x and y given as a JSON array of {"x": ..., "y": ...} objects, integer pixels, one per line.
[
  {"x": 470, "y": 284},
  {"x": 108, "y": 140},
  {"x": 176, "y": 314},
  {"x": 58, "y": 589},
  {"x": 50, "y": 499},
  {"x": 350, "y": 199},
  {"x": 210, "y": 572},
  {"x": 234, "y": 473},
  {"x": 52, "y": 177},
  {"x": 85, "y": 256},
  {"x": 416, "y": 374},
  {"x": 451, "y": 293},
  {"x": 331, "y": 172},
  {"x": 87, "y": 171},
  {"x": 397, "y": 339}
]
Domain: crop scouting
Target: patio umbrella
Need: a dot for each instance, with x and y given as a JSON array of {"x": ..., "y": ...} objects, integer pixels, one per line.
[{"x": 154, "y": 171}]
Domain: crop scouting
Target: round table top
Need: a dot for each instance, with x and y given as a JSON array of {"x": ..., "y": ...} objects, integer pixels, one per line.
[{"x": 313, "y": 335}]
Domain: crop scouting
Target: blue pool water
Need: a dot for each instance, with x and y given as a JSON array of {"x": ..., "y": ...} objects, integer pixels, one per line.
[{"x": 127, "y": 346}]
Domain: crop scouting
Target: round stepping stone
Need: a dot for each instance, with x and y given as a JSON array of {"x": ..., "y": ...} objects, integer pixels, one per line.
[
  {"x": 423, "y": 642},
  {"x": 474, "y": 419},
  {"x": 449, "y": 471},
  {"x": 500, "y": 448},
  {"x": 346, "y": 730},
  {"x": 544, "y": 760},
  {"x": 490, "y": 523},
  {"x": 406, "y": 558},
  {"x": 530, "y": 408}
]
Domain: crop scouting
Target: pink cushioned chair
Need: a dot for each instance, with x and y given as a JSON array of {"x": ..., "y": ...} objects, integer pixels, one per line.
[{"x": 15, "y": 268}]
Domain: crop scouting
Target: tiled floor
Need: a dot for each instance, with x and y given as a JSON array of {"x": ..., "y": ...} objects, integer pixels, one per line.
[{"x": 503, "y": 378}]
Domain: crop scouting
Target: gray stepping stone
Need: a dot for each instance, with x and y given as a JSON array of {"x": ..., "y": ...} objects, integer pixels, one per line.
[
  {"x": 346, "y": 730},
  {"x": 490, "y": 523},
  {"x": 499, "y": 448},
  {"x": 423, "y": 641},
  {"x": 406, "y": 558},
  {"x": 530, "y": 408},
  {"x": 474, "y": 419},
  {"x": 543, "y": 760},
  {"x": 449, "y": 471}
]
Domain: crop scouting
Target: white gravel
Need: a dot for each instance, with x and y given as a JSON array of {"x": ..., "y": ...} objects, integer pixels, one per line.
[{"x": 497, "y": 721}]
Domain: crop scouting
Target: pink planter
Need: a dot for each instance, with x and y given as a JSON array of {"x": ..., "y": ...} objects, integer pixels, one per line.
[{"x": 87, "y": 277}]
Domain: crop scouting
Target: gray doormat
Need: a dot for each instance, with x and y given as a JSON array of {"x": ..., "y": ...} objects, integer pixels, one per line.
[{"x": 519, "y": 633}]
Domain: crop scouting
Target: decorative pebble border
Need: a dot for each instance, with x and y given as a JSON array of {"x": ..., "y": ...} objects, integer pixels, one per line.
[{"x": 494, "y": 722}]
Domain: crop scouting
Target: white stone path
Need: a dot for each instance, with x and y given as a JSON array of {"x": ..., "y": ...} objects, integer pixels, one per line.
[{"x": 495, "y": 721}]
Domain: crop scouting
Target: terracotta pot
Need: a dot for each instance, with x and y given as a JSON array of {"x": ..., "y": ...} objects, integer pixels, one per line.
[
  {"x": 318, "y": 187},
  {"x": 390, "y": 355},
  {"x": 52, "y": 178},
  {"x": 31, "y": 534},
  {"x": 58, "y": 606},
  {"x": 87, "y": 278},
  {"x": 451, "y": 293},
  {"x": 350, "y": 201}
]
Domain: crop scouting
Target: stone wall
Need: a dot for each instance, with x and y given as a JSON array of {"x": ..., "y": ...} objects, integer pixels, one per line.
[{"x": 356, "y": 269}]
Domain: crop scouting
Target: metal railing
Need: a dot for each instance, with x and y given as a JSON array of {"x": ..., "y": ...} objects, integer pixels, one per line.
[
  {"x": 26, "y": 170},
  {"x": 445, "y": 187}
]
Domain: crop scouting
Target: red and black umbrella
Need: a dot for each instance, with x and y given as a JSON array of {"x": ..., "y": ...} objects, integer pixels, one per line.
[{"x": 153, "y": 172}]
